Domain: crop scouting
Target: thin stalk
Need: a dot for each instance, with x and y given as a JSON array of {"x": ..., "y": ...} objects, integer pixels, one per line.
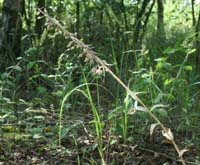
[
  {"x": 78, "y": 157},
  {"x": 125, "y": 119},
  {"x": 62, "y": 109},
  {"x": 115, "y": 63},
  {"x": 97, "y": 120},
  {"x": 98, "y": 96}
]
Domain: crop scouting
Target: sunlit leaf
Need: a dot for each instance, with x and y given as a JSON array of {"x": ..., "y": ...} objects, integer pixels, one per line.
[
  {"x": 39, "y": 117},
  {"x": 191, "y": 51},
  {"x": 4, "y": 116},
  {"x": 37, "y": 136},
  {"x": 188, "y": 67},
  {"x": 168, "y": 81}
]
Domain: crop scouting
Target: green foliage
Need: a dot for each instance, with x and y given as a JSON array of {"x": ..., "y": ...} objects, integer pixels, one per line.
[{"x": 49, "y": 92}]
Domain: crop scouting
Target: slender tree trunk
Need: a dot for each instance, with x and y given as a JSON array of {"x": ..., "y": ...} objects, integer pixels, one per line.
[
  {"x": 197, "y": 32},
  {"x": 196, "y": 25},
  {"x": 125, "y": 17},
  {"x": 146, "y": 20},
  {"x": 77, "y": 17},
  {"x": 87, "y": 24},
  {"x": 160, "y": 19},
  {"x": 193, "y": 14},
  {"x": 40, "y": 20},
  {"x": 138, "y": 23}
]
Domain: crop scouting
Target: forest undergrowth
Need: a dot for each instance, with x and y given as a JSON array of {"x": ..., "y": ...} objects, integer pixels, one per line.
[{"x": 120, "y": 106}]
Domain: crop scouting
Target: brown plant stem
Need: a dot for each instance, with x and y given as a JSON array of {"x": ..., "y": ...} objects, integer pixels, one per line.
[{"x": 91, "y": 55}]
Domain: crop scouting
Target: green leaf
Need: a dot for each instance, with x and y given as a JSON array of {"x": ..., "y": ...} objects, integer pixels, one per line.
[
  {"x": 161, "y": 112},
  {"x": 5, "y": 99},
  {"x": 188, "y": 67},
  {"x": 16, "y": 67},
  {"x": 162, "y": 59},
  {"x": 10, "y": 83},
  {"x": 44, "y": 75},
  {"x": 191, "y": 51},
  {"x": 170, "y": 50},
  {"x": 158, "y": 98},
  {"x": 37, "y": 136},
  {"x": 41, "y": 89},
  {"x": 39, "y": 117},
  {"x": 168, "y": 81},
  {"x": 30, "y": 65},
  {"x": 4, "y": 75}
]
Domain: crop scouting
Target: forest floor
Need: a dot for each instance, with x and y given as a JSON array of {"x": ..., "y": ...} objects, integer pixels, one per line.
[
  {"x": 41, "y": 148},
  {"x": 38, "y": 152}
]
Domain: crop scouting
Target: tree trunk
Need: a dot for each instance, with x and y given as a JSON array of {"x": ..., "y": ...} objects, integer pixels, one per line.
[
  {"x": 197, "y": 32},
  {"x": 138, "y": 23},
  {"x": 160, "y": 20},
  {"x": 146, "y": 20},
  {"x": 193, "y": 14},
  {"x": 10, "y": 34},
  {"x": 77, "y": 17},
  {"x": 40, "y": 20},
  {"x": 125, "y": 16}
]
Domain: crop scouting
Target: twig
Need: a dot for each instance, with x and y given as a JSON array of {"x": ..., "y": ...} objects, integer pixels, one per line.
[{"x": 166, "y": 156}]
